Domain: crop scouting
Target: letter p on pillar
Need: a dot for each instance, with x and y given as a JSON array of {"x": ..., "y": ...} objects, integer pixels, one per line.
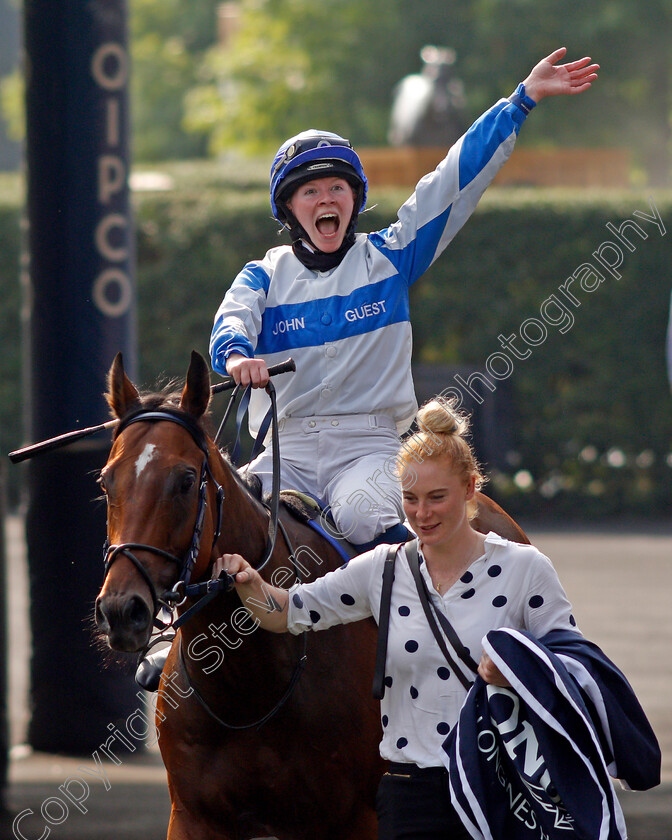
[{"x": 111, "y": 177}]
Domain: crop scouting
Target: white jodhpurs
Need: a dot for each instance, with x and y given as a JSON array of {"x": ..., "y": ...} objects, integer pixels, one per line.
[{"x": 348, "y": 462}]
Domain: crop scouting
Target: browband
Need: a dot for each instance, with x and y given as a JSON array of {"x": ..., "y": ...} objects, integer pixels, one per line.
[{"x": 172, "y": 415}]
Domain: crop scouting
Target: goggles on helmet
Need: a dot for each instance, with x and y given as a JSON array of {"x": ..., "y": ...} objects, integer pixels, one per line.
[{"x": 296, "y": 155}]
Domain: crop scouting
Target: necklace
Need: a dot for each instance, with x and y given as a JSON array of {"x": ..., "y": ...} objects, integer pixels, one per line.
[
  {"x": 445, "y": 585},
  {"x": 441, "y": 586}
]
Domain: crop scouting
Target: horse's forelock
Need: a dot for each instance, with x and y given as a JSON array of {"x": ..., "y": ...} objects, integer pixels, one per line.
[
  {"x": 160, "y": 399},
  {"x": 170, "y": 398}
]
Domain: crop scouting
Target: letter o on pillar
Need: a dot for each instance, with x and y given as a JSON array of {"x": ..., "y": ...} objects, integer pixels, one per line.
[
  {"x": 112, "y": 292},
  {"x": 109, "y": 66}
]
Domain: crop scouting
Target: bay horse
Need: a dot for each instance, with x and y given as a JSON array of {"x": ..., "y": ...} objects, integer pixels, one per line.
[{"x": 250, "y": 749}]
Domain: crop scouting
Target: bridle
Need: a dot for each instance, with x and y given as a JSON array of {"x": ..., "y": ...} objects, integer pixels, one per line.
[
  {"x": 182, "y": 589},
  {"x": 178, "y": 594},
  {"x": 206, "y": 591}
]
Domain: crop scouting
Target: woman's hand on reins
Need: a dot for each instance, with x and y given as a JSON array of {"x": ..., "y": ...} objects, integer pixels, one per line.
[
  {"x": 236, "y": 566},
  {"x": 268, "y": 604}
]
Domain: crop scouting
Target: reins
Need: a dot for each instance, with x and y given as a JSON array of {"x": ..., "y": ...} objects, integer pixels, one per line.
[
  {"x": 208, "y": 590},
  {"x": 296, "y": 674},
  {"x": 68, "y": 438},
  {"x": 226, "y": 581},
  {"x": 204, "y": 592},
  {"x": 298, "y": 670},
  {"x": 178, "y": 594}
]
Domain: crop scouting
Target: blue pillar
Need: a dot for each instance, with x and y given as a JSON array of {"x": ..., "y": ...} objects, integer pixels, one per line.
[
  {"x": 4, "y": 666},
  {"x": 81, "y": 313}
]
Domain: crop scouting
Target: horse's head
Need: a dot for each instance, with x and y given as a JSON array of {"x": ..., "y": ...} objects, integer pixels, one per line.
[{"x": 155, "y": 482}]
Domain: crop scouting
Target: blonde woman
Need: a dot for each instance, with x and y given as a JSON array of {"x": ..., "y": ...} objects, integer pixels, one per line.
[{"x": 478, "y": 582}]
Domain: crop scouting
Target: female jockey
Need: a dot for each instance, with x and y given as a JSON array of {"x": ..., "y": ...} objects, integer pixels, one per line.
[{"x": 338, "y": 302}]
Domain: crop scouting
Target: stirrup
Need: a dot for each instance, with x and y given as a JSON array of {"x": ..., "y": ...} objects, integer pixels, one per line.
[{"x": 148, "y": 673}]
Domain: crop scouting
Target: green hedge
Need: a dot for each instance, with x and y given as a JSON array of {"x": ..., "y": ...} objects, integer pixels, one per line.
[
  {"x": 592, "y": 407},
  {"x": 592, "y": 404}
]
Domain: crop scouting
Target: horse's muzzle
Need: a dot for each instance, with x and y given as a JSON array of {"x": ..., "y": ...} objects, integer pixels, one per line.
[{"x": 125, "y": 620}]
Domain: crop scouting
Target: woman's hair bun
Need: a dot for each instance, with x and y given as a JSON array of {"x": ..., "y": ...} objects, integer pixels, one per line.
[{"x": 441, "y": 417}]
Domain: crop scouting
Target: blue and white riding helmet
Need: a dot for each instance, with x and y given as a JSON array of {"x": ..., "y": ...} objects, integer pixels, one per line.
[{"x": 309, "y": 155}]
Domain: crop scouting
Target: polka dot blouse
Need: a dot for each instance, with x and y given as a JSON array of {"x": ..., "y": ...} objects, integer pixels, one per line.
[{"x": 511, "y": 585}]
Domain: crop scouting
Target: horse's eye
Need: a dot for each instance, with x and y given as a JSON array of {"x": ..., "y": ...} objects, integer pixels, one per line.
[
  {"x": 186, "y": 482},
  {"x": 101, "y": 484}
]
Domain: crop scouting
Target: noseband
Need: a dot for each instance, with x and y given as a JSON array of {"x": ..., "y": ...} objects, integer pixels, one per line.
[
  {"x": 209, "y": 589},
  {"x": 177, "y": 595}
]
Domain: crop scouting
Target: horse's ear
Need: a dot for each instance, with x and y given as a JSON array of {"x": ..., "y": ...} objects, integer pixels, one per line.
[
  {"x": 122, "y": 395},
  {"x": 196, "y": 393}
]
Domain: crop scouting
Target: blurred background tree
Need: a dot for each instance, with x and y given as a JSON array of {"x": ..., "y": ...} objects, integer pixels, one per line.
[
  {"x": 212, "y": 77},
  {"x": 214, "y": 80},
  {"x": 632, "y": 104},
  {"x": 10, "y": 150},
  {"x": 168, "y": 39},
  {"x": 290, "y": 64}
]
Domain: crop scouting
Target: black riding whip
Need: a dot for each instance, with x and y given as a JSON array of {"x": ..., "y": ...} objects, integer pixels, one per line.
[{"x": 66, "y": 439}]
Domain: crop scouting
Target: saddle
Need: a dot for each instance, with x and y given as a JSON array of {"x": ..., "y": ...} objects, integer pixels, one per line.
[{"x": 306, "y": 509}]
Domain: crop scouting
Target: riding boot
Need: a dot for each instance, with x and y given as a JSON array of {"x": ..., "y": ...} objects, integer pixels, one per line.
[
  {"x": 148, "y": 673},
  {"x": 398, "y": 533}
]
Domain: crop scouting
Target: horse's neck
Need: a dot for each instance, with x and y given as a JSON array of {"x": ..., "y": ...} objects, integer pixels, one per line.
[
  {"x": 224, "y": 632},
  {"x": 244, "y": 527}
]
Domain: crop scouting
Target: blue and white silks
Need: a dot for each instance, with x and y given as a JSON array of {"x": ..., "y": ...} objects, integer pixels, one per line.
[
  {"x": 534, "y": 762},
  {"x": 348, "y": 329}
]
